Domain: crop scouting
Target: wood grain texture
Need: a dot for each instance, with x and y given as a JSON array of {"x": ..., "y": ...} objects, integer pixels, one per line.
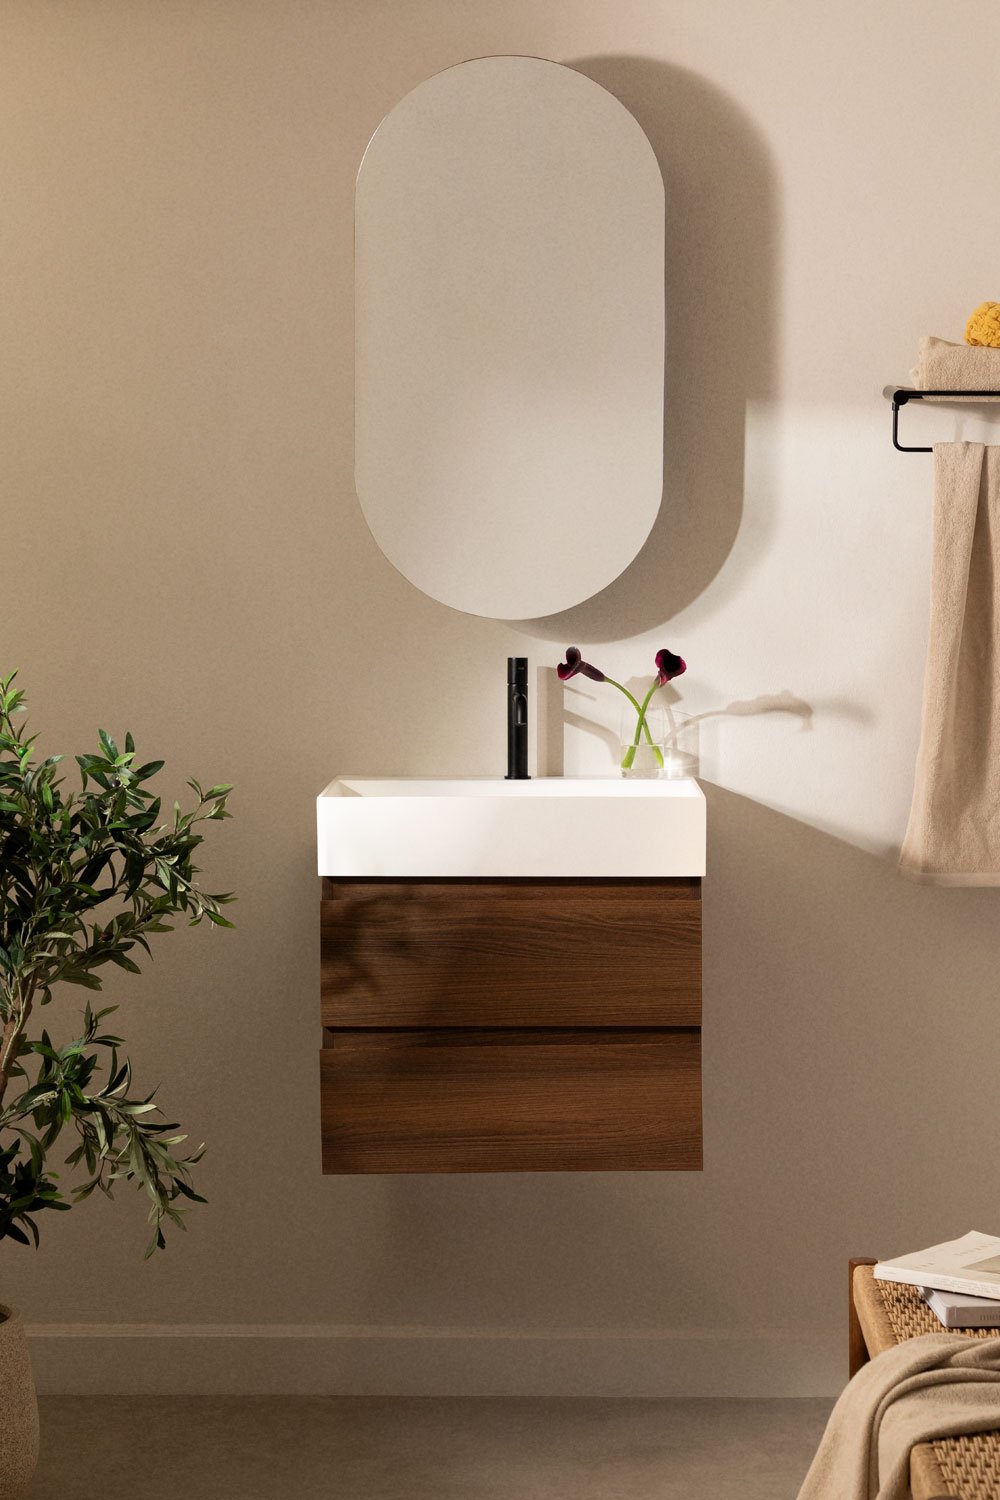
[
  {"x": 509, "y": 1101},
  {"x": 511, "y": 953}
]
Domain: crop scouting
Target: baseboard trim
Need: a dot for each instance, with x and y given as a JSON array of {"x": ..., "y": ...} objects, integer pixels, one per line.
[{"x": 336, "y": 1359}]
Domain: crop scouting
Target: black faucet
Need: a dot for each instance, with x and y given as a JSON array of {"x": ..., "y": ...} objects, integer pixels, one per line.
[{"x": 517, "y": 719}]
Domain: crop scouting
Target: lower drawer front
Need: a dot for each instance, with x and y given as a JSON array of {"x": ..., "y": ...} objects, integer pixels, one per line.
[{"x": 447, "y": 1101}]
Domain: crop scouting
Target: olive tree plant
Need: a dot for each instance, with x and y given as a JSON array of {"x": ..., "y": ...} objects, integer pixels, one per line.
[{"x": 85, "y": 878}]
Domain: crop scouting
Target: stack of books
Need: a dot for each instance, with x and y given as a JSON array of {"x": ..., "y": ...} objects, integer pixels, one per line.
[{"x": 959, "y": 1280}]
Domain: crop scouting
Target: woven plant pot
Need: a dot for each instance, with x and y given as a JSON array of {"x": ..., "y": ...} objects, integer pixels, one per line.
[{"x": 18, "y": 1407}]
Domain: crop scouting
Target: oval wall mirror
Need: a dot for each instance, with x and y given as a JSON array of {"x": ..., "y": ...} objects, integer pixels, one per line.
[{"x": 509, "y": 337}]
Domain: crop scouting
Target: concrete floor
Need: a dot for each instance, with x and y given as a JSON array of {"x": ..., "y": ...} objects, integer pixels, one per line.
[{"x": 360, "y": 1448}]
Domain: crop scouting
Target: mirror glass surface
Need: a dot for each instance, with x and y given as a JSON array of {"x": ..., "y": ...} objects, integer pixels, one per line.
[{"x": 509, "y": 337}]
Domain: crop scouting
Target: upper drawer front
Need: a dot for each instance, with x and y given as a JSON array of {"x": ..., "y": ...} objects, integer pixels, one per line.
[{"x": 500, "y": 954}]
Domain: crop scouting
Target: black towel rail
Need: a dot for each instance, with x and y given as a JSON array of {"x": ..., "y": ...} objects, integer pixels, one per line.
[{"x": 901, "y": 395}]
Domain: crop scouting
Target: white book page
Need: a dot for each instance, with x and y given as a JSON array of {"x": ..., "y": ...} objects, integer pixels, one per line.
[{"x": 975, "y": 1257}]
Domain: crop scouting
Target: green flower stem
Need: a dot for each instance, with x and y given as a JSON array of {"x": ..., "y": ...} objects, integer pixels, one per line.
[
  {"x": 644, "y": 724},
  {"x": 641, "y": 724}
]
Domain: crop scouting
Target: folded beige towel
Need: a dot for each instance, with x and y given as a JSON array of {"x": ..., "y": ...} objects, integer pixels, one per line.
[
  {"x": 938, "y": 1385},
  {"x": 953, "y": 837},
  {"x": 955, "y": 367}
]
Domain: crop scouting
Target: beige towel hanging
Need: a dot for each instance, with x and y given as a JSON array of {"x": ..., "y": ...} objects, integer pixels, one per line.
[{"x": 953, "y": 836}]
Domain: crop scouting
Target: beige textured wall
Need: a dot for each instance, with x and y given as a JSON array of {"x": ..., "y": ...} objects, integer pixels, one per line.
[{"x": 182, "y": 554}]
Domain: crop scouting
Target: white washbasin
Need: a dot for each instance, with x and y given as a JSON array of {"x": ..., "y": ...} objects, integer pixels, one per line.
[{"x": 546, "y": 827}]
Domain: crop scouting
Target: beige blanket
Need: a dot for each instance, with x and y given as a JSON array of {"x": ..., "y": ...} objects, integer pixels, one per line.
[
  {"x": 938, "y": 1385},
  {"x": 955, "y": 367},
  {"x": 953, "y": 837}
]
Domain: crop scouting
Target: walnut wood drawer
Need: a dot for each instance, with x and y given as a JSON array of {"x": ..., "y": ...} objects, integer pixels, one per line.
[
  {"x": 511, "y": 953},
  {"x": 453, "y": 1101}
]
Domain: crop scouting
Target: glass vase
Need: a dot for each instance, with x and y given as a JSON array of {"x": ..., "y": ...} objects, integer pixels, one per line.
[{"x": 669, "y": 750}]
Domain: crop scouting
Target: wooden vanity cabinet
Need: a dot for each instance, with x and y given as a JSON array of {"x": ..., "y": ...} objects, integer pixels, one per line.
[{"x": 511, "y": 1025}]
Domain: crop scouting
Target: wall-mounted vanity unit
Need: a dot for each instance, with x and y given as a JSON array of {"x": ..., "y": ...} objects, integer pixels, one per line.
[
  {"x": 511, "y": 969},
  {"x": 511, "y": 975}
]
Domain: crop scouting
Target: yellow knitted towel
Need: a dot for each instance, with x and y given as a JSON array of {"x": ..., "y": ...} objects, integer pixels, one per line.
[{"x": 983, "y": 326}]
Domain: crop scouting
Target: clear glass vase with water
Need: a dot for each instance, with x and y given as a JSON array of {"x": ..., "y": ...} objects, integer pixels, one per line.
[{"x": 665, "y": 746}]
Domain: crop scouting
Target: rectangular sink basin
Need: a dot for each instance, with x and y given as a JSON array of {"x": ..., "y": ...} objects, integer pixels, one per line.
[{"x": 543, "y": 828}]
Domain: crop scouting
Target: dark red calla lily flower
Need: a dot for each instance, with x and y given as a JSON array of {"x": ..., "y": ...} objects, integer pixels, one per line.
[
  {"x": 575, "y": 663},
  {"x": 668, "y": 666}
]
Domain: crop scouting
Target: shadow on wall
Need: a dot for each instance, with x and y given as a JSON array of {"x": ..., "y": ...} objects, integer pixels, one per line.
[
  {"x": 849, "y": 1086},
  {"x": 569, "y": 705},
  {"x": 720, "y": 317},
  {"x": 767, "y": 703}
]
